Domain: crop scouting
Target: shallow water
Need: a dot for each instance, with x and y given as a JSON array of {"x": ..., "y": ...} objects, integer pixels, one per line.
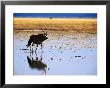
[{"x": 71, "y": 52}]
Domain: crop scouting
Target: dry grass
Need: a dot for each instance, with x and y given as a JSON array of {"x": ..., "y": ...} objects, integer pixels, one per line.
[{"x": 54, "y": 23}]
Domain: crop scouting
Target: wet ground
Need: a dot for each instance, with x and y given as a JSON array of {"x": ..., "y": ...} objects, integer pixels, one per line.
[{"x": 72, "y": 52}]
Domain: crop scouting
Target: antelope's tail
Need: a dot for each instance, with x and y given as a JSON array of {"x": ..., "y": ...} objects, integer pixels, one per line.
[{"x": 29, "y": 43}]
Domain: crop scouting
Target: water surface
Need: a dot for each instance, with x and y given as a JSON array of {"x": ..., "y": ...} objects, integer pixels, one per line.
[{"x": 70, "y": 52}]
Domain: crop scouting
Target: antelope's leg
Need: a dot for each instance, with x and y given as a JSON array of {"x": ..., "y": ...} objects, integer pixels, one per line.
[
  {"x": 41, "y": 51},
  {"x": 32, "y": 48},
  {"x": 41, "y": 48},
  {"x": 41, "y": 45},
  {"x": 37, "y": 46},
  {"x": 35, "y": 50}
]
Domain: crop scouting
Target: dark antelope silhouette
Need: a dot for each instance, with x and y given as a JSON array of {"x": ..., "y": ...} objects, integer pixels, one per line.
[
  {"x": 37, "y": 39},
  {"x": 37, "y": 64}
]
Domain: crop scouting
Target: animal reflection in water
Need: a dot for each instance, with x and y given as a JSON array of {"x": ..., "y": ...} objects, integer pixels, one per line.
[
  {"x": 36, "y": 40},
  {"x": 37, "y": 64}
]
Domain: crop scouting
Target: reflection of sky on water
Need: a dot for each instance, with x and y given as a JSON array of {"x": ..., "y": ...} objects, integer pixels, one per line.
[{"x": 59, "y": 54}]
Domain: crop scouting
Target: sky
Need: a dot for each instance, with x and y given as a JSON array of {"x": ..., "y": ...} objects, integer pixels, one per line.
[{"x": 56, "y": 15}]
